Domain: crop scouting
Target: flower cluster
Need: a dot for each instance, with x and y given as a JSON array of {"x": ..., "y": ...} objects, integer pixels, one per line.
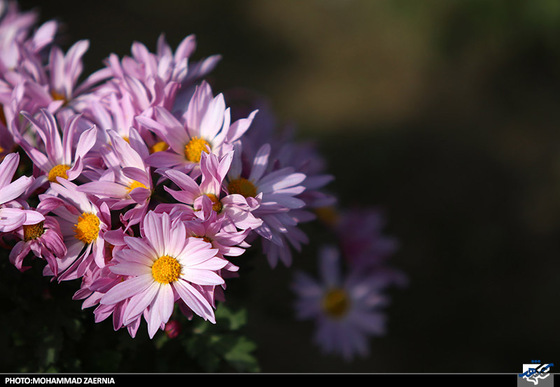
[{"x": 140, "y": 181}]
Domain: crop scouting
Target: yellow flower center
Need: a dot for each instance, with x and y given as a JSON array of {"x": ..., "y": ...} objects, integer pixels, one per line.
[
  {"x": 243, "y": 187},
  {"x": 216, "y": 203},
  {"x": 194, "y": 149},
  {"x": 336, "y": 303},
  {"x": 135, "y": 184},
  {"x": 159, "y": 147},
  {"x": 33, "y": 231},
  {"x": 166, "y": 269},
  {"x": 58, "y": 96},
  {"x": 87, "y": 228},
  {"x": 58, "y": 171}
]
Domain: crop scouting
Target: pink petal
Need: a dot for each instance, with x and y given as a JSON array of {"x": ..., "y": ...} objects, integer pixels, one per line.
[
  {"x": 8, "y": 168},
  {"x": 139, "y": 302},
  {"x": 15, "y": 189},
  {"x": 127, "y": 289},
  {"x": 194, "y": 300}
]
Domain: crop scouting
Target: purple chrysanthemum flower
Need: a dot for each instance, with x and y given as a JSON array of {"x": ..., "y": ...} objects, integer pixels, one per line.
[
  {"x": 54, "y": 84},
  {"x": 164, "y": 266},
  {"x": 57, "y": 156},
  {"x": 209, "y": 196},
  {"x": 126, "y": 180},
  {"x": 279, "y": 204},
  {"x": 346, "y": 307},
  {"x": 203, "y": 128},
  {"x": 64, "y": 70},
  {"x": 43, "y": 239},
  {"x": 82, "y": 223}
]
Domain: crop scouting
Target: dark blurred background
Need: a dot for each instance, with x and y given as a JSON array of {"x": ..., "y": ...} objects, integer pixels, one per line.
[{"x": 443, "y": 113}]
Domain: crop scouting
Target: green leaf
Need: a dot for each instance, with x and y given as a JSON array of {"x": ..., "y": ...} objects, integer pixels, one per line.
[
  {"x": 240, "y": 357},
  {"x": 234, "y": 319}
]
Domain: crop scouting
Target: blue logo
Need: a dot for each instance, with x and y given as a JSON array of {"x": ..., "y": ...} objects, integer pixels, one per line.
[{"x": 536, "y": 372}]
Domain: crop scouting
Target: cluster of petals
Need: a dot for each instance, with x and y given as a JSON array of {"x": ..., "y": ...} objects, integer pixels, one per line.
[{"x": 138, "y": 180}]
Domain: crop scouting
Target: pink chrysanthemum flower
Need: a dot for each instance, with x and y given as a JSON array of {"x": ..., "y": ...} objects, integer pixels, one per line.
[
  {"x": 163, "y": 267},
  {"x": 203, "y": 128},
  {"x": 344, "y": 306},
  {"x": 209, "y": 196},
  {"x": 82, "y": 223},
  {"x": 12, "y": 213},
  {"x": 56, "y": 82},
  {"x": 43, "y": 239},
  {"x": 279, "y": 190},
  {"x": 60, "y": 156},
  {"x": 284, "y": 226},
  {"x": 127, "y": 179}
]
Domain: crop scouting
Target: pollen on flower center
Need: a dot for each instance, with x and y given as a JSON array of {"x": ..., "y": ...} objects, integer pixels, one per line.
[
  {"x": 58, "y": 96},
  {"x": 135, "y": 184},
  {"x": 243, "y": 187},
  {"x": 159, "y": 147},
  {"x": 335, "y": 303},
  {"x": 33, "y": 231},
  {"x": 58, "y": 171},
  {"x": 166, "y": 269},
  {"x": 216, "y": 203},
  {"x": 87, "y": 228},
  {"x": 194, "y": 149}
]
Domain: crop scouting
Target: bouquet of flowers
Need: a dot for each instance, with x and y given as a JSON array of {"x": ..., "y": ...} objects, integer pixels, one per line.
[{"x": 143, "y": 185}]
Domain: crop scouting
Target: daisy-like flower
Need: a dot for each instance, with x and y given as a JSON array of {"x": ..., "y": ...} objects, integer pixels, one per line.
[
  {"x": 209, "y": 196},
  {"x": 62, "y": 72},
  {"x": 127, "y": 181},
  {"x": 43, "y": 239},
  {"x": 163, "y": 266},
  {"x": 82, "y": 224},
  {"x": 12, "y": 213},
  {"x": 203, "y": 128},
  {"x": 62, "y": 156},
  {"x": 278, "y": 190},
  {"x": 346, "y": 307}
]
